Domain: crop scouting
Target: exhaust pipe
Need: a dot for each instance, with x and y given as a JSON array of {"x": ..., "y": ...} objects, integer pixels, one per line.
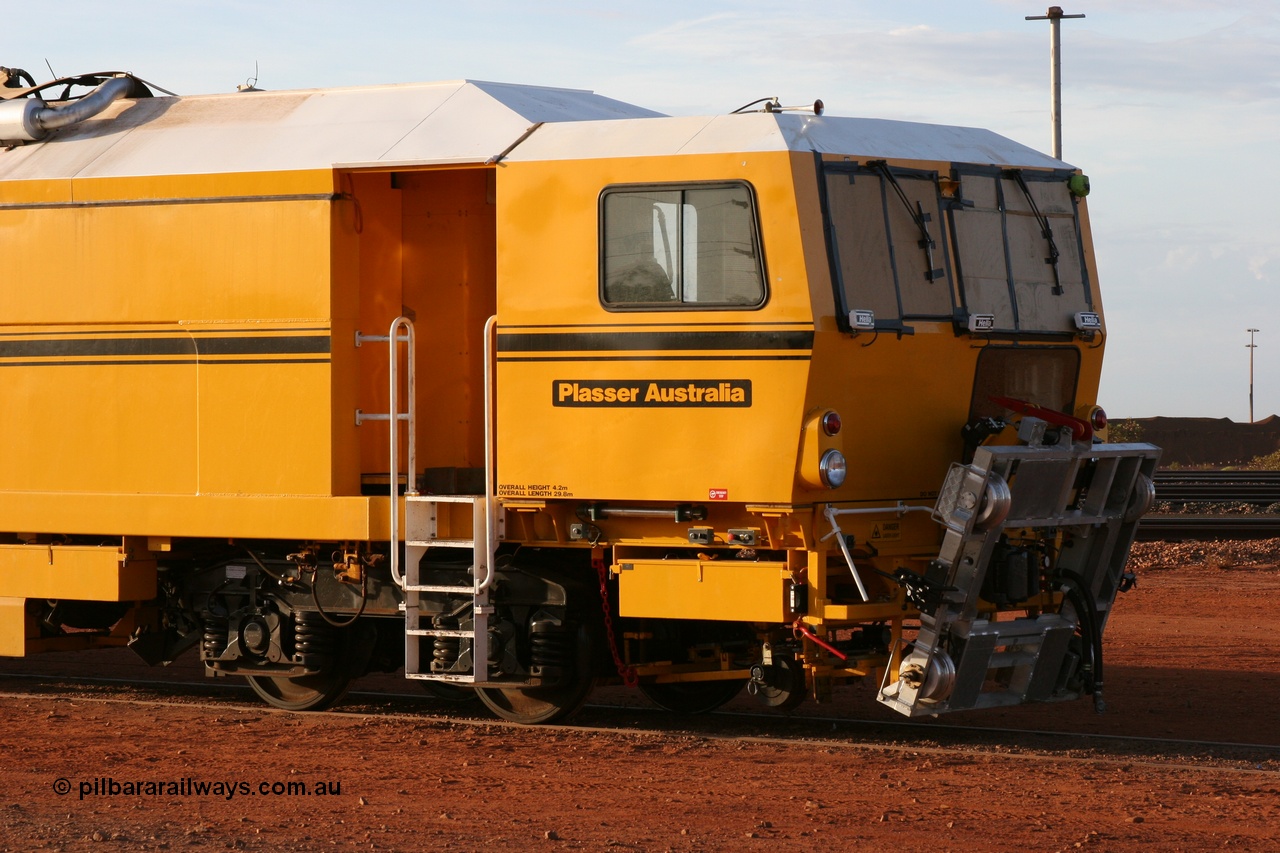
[{"x": 31, "y": 119}]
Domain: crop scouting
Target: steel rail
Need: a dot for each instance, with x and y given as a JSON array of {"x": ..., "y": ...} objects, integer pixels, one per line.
[{"x": 684, "y": 726}]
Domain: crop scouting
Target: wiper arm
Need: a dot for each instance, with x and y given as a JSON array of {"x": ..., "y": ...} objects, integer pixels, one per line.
[
  {"x": 1045, "y": 230},
  {"x": 918, "y": 216}
]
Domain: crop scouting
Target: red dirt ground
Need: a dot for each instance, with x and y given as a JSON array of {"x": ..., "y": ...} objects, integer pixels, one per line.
[{"x": 1192, "y": 655}]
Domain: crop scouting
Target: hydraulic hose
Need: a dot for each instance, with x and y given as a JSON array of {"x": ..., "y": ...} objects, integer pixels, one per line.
[
  {"x": 1090, "y": 629},
  {"x": 801, "y": 629}
]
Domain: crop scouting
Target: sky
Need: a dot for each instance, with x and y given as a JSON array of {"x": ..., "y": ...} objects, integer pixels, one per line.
[{"x": 1172, "y": 107}]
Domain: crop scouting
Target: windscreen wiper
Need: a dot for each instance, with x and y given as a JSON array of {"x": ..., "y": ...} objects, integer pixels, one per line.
[
  {"x": 918, "y": 216},
  {"x": 1045, "y": 230}
]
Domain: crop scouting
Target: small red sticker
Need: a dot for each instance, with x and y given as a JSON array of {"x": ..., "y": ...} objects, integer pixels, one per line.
[{"x": 718, "y": 495}]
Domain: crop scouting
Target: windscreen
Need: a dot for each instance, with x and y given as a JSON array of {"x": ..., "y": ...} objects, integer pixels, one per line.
[
  {"x": 1018, "y": 250},
  {"x": 886, "y": 239}
]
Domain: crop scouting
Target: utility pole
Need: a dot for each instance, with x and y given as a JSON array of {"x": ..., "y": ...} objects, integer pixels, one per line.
[
  {"x": 1251, "y": 346},
  {"x": 1054, "y": 16}
]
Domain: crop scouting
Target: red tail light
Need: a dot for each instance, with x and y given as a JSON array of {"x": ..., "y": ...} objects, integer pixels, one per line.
[{"x": 1098, "y": 420}]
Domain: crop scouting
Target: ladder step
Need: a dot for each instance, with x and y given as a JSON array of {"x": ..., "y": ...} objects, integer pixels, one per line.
[
  {"x": 439, "y": 632},
  {"x": 445, "y": 499},
  {"x": 467, "y": 590},
  {"x": 442, "y": 543},
  {"x": 454, "y": 679}
]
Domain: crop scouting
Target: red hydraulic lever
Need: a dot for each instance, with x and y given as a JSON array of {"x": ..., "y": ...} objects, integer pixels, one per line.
[{"x": 1080, "y": 430}]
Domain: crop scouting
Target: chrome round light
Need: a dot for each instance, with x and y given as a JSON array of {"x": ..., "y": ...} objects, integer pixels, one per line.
[
  {"x": 833, "y": 469},
  {"x": 831, "y": 423}
]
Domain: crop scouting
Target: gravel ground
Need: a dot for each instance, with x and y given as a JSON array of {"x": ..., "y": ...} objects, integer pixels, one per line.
[{"x": 1255, "y": 554}]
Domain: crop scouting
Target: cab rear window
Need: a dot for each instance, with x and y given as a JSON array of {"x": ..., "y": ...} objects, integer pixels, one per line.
[{"x": 680, "y": 246}]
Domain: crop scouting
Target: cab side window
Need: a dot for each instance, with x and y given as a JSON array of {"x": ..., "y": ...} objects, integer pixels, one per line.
[{"x": 680, "y": 246}]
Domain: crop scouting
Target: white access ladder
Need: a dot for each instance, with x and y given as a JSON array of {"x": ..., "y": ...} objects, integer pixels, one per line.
[{"x": 439, "y": 521}]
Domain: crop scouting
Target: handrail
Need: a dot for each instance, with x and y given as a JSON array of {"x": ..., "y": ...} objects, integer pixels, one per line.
[
  {"x": 410, "y": 486},
  {"x": 394, "y": 417},
  {"x": 490, "y": 510},
  {"x": 831, "y": 512}
]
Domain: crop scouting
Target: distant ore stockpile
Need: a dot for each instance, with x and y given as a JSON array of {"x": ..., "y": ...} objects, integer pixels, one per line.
[{"x": 1198, "y": 442}]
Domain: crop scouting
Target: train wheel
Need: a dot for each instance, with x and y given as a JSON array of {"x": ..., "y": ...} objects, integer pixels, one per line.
[
  {"x": 692, "y": 697},
  {"x": 785, "y": 689},
  {"x": 536, "y": 704},
  {"x": 312, "y": 692},
  {"x": 308, "y": 693},
  {"x": 349, "y": 655}
]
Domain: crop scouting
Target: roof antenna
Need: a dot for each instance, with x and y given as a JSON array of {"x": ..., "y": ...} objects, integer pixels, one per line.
[
  {"x": 250, "y": 85},
  {"x": 52, "y": 76}
]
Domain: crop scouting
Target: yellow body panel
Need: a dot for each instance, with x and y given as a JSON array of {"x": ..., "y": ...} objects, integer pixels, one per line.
[
  {"x": 302, "y": 517},
  {"x": 211, "y": 261},
  {"x": 181, "y": 348}
]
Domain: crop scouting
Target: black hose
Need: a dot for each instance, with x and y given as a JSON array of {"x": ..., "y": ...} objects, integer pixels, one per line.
[
  {"x": 1095, "y": 622},
  {"x": 364, "y": 599},
  {"x": 1077, "y": 602},
  {"x": 1090, "y": 629}
]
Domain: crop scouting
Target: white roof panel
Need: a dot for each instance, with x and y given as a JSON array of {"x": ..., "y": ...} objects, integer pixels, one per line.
[
  {"x": 472, "y": 139},
  {"x": 758, "y": 132},
  {"x": 460, "y": 121}
]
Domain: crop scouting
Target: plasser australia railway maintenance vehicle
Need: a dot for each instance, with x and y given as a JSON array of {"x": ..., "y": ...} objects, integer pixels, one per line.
[{"x": 523, "y": 389}]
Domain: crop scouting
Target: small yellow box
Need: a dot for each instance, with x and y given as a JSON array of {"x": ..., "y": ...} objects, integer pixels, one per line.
[
  {"x": 13, "y": 634},
  {"x": 728, "y": 590},
  {"x": 81, "y": 572}
]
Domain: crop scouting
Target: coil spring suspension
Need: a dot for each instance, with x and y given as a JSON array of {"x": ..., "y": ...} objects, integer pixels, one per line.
[
  {"x": 445, "y": 650},
  {"x": 215, "y": 636},
  {"x": 549, "y": 649},
  {"x": 311, "y": 634}
]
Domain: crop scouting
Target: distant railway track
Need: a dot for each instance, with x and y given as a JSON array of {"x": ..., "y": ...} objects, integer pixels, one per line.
[
  {"x": 1178, "y": 489},
  {"x": 1260, "y": 488}
]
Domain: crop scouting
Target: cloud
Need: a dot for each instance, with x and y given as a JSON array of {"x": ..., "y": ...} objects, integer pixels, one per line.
[
  {"x": 1239, "y": 61},
  {"x": 1261, "y": 263}
]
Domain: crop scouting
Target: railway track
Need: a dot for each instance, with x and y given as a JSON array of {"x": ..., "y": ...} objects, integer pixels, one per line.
[{"x": 608, "y": 718}]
